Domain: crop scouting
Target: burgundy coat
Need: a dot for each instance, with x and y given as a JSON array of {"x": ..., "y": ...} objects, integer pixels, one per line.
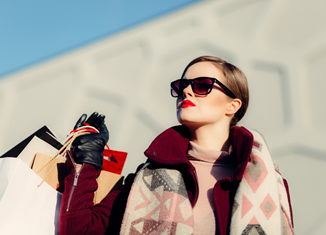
[{"x": 79, "y": 216}]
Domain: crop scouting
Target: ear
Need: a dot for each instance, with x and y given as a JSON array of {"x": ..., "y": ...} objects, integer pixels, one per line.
[{"x": 233, "y": 107}]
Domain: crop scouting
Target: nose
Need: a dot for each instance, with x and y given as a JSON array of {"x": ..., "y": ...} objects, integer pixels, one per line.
[{"x": 188, "y": 91}]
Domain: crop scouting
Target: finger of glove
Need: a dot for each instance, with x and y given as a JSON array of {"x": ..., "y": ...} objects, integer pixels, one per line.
[
  {"x": 98, "y": 122},
  {"x": 103, "y": 128},
  {"x": 80, "y": 121},
  {"x": 92, "y": 119}
]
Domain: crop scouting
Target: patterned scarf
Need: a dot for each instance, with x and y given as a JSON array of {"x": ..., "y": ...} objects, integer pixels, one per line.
[
  {"x": 158, "y": 202},
  {"x": 261, "y": 202}
]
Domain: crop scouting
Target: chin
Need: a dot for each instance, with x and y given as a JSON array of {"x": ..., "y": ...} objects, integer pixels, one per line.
[
  {"x": 189, "y": 122},
  {"x": 183, "y": 121}
]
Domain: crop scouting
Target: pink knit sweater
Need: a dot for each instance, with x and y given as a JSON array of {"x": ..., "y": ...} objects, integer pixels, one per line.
[{"x": 211, "y": 165}]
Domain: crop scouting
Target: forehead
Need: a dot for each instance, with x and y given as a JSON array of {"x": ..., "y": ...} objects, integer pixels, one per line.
[{"x": 204, "y": 69}]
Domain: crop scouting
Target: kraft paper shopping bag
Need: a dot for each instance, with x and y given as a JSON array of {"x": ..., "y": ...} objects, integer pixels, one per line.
[{"x": 54, "y": 170}]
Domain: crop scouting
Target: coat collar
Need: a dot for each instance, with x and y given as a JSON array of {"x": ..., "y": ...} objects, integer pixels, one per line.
[
  {"x": 170, "y": 147},
  {"x": 242, "y": 141}
]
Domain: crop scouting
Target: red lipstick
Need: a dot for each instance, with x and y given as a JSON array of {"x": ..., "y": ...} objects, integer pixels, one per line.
[{"x": 187, "y": 103}]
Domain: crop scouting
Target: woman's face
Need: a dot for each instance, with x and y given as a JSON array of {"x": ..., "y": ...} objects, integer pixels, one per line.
[{"x": 195, "y": 110}]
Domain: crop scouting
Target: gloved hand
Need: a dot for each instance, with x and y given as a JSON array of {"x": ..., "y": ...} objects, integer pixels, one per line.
[{"x": 89, "y": 148}]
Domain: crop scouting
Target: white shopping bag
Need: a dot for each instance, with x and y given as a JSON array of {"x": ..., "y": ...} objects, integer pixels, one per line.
[
  {"x": 36, "y": 145},
  {"x": 26, "y": 208}
]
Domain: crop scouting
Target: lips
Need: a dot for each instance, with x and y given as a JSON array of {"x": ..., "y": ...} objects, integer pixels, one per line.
[{"x": 187, "y": 103}]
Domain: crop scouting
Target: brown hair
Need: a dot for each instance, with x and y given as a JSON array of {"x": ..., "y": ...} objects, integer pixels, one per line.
[{"x": 236, "y": 81}]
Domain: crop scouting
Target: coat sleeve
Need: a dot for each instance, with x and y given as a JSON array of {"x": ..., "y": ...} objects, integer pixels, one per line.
[{"x": 78, "y": 215}]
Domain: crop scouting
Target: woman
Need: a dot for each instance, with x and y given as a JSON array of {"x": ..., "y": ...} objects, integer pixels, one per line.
[{"x": 207, "y": 176}]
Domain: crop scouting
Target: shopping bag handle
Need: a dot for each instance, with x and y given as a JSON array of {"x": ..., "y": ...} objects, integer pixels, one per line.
[
  {"x": 84, "y": 130},
  {"x": 63, "y": 152}
]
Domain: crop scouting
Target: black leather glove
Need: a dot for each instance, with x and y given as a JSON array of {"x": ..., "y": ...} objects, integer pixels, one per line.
[{"x": 89, "y": 148}]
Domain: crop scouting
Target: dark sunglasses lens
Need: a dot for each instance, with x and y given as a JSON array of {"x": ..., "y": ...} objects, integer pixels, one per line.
[
  {"x": 175, "y": 88},
  {"x": 202, "y": 86},
  {"x": 178, "y": 86}
]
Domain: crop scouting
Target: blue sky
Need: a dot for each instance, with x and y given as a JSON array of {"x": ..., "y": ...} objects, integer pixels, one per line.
[{"x": 35, "y": 30}]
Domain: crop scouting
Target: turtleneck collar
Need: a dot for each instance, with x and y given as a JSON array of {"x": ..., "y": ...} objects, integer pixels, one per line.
[{"x": 199, "y": 153}]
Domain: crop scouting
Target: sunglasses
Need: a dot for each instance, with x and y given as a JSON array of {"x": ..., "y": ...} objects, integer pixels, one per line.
[{"x": 200, "y": 86}]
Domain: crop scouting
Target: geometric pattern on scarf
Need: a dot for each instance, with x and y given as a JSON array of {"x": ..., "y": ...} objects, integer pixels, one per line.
[
  {"x": 158, "y": 203},
  {"x": 261, "y": 204}
]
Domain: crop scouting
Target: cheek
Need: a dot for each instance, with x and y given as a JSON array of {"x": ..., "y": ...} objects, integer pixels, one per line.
[
  {"x": 215, "y": 103},
  {"x": 214, "y": 108}
]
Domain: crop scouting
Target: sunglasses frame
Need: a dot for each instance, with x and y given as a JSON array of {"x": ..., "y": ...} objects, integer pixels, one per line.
[{"x": 191, "y": 82}]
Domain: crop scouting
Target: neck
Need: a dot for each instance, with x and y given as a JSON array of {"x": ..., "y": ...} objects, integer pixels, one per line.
[{"x": 211, "y": 137}]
